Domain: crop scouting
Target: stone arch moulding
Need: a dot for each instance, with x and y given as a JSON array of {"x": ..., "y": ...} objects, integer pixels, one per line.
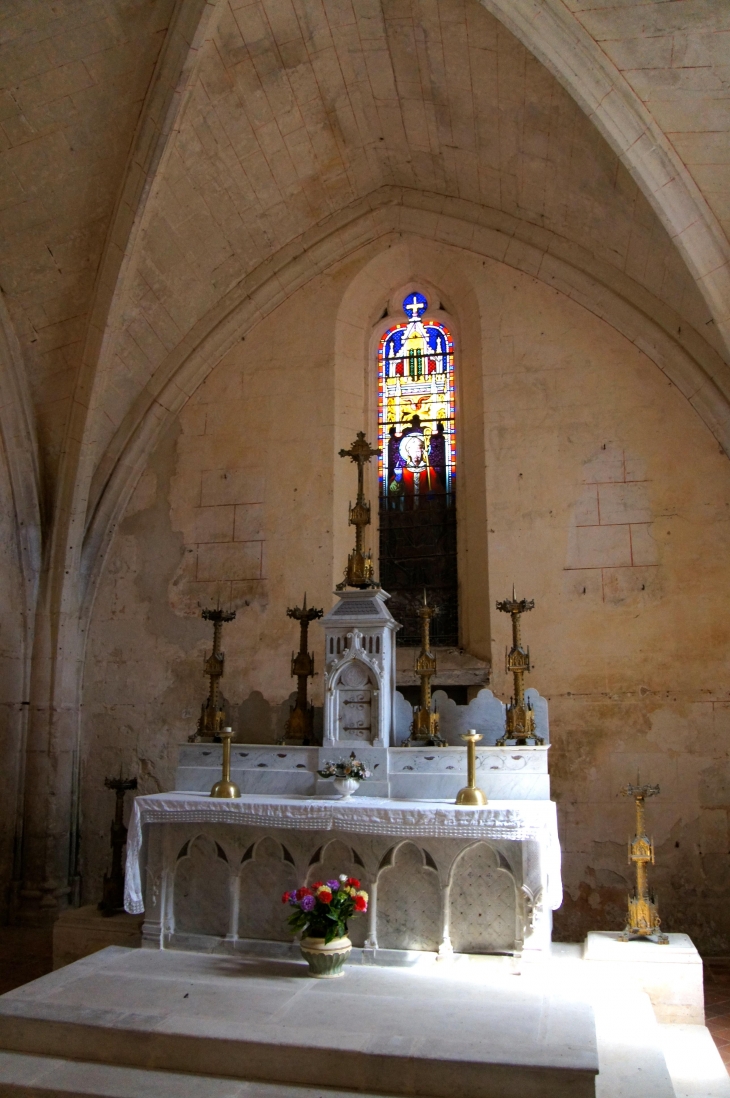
[
  {"x": 686, "y": 359},
  {"x": 550, "y": 31}
]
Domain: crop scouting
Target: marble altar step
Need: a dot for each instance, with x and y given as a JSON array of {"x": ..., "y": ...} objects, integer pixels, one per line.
[
  {"x": 24, "y": 1076},
  {"x": 387, "y": 1031}
]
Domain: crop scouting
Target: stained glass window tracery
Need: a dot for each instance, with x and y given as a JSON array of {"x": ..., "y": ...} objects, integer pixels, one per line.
[{"x": 417, "y": 438}]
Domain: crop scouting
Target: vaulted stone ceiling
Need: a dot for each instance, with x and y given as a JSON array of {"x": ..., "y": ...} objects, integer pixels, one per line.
[
  {"x": 290, "y": 114},
  {"x": 676, "y": 57}
]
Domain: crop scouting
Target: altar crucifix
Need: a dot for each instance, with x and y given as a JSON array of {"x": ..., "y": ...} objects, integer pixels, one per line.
[
  {"x": 300, "y": 725},
  {"x": 359, "y": 572}
]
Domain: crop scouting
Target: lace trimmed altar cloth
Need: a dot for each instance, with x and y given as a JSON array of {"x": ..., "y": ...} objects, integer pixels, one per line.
[{"x": 505, "y": 820}]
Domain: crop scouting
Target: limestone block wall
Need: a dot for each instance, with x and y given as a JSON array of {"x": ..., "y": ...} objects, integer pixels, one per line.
[{"x": 597, "y": 490}]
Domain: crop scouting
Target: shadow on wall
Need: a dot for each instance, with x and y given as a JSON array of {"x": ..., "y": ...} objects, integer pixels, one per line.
[{"x": 257, "y": 720}]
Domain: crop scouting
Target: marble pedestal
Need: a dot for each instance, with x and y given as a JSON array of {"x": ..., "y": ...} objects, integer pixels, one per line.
[
  {"x": 671, "y": 974},
  {"x": 387, "y": 1031}
]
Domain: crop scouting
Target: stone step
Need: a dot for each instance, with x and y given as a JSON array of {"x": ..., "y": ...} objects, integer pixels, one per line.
[
  {"x": 389, "y": 1031},
  {"x": 24, "y": 1076},
  {"x": 694, "y": 1063}
]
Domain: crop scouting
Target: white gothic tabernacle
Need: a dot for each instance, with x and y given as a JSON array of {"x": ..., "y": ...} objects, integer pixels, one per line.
[{"x": 442, "y": 878}]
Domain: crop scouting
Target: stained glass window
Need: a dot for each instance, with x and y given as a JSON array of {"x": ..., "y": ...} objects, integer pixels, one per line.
[{"x": 418, "y": 471}]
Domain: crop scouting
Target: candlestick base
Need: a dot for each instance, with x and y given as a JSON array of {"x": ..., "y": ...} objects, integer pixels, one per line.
[
  {"x": 225, "y": 791},
  {"x": 471, "y": 795}
]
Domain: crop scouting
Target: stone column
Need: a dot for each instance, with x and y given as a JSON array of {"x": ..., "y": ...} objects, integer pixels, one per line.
[{"x": 49, "y": 880}]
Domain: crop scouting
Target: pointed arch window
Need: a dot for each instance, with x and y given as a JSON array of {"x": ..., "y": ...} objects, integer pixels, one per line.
[{"x": 417, "y": 438}]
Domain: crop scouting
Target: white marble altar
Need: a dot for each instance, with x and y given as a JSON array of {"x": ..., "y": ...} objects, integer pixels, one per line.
[{"x": 441, "y": 877}]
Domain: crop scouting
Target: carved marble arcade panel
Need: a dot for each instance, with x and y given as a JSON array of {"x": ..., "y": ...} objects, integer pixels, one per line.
[{"x": 218, "y": 887}]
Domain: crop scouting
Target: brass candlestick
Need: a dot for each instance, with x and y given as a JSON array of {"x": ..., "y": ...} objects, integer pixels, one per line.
[
  {"x": 225, "y": 789},
  {"x": 359, "y": 571},
  {"x": 520, "y": 722},
  {"x": 643, "y": 915},
  {"x": 212, "y": 717},
  {"x": 425, "y": 727},
  {"x": 300, "y": 725},
  {"x": 113, "y": 893},
  {"x": 470, "y": 794}
]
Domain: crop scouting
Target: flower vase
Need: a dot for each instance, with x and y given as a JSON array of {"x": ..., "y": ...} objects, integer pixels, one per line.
[
  {"x": 346, "y": 787},
  {"x": 326, "y": 962}
]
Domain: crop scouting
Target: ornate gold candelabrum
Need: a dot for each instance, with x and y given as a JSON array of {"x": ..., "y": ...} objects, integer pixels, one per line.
[
  {"x": 643, "y": 915},
  {"x": 225, "y": 789},
  {"x": 425, "y": 728},
  {"x": 113, "y": 893},
  {"x": 300, "y": 725},
  {"x": 212, "y": 717},
  {"x": 520, "y": 723},
  {"x": 470, "y": 794},
  {"x": 359, "y": 571}
]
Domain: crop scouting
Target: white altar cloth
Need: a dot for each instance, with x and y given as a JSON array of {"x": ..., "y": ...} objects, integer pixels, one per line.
[{"x": 518, "y": 820}]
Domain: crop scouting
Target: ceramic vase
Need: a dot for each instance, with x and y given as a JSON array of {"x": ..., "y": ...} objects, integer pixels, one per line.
[
  {"x": 326, "y": 962},
  {"x": 346, "y": 787}
]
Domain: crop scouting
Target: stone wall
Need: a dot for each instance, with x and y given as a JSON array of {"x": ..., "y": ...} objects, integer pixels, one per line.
[{"x": 590, "y": 482}]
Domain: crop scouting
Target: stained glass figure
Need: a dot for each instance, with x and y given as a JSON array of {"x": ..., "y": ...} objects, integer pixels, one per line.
[{"x": 418, "y": 470}]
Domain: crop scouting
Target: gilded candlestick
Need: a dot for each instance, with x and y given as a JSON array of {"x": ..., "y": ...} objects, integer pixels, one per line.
[
  {"x": 212, "y": 714},
  {"x": 225, "y": 789},
  {"x": 520, "y": 716},
  {"x": 425, "y": 728},
  {"x": 300, "y": 725},
  {"x": 643, "y": 915},
  {"x": 470, "y": 795}
]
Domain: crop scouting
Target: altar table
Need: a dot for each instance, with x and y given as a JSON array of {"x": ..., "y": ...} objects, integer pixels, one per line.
[{"x": 209, "y": 873}]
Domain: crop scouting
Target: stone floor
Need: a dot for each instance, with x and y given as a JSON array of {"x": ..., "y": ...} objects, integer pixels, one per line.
[
  {"x": 25, "y": 954},
  {"x": 717, "y": 1004}
]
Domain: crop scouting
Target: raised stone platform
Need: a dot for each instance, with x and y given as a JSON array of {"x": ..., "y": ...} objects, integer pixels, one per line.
[
  {"x": 671, "y": 975},
  {"x": 80, "y": 931},
  {"x": 395, "y": 1032}
]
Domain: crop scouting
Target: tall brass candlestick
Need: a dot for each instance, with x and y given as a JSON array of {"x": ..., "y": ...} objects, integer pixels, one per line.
[
  {"x": 300, "y": 725},
  {"x": 425, "y": 727},
  {"x": 212, "y": 715},
  {"x": 643, "y": 915},
  {"x": 225, "y": 788},
  {"x": 520, "y": 718},
  {"x": 470, "y": 794}
]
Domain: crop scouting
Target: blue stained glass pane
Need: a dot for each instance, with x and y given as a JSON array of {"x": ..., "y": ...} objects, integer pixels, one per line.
[
  {"x": 414, "y": 305},
  {"x": 416, "y": 364},
  {"x": 417, "y": 439}
]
